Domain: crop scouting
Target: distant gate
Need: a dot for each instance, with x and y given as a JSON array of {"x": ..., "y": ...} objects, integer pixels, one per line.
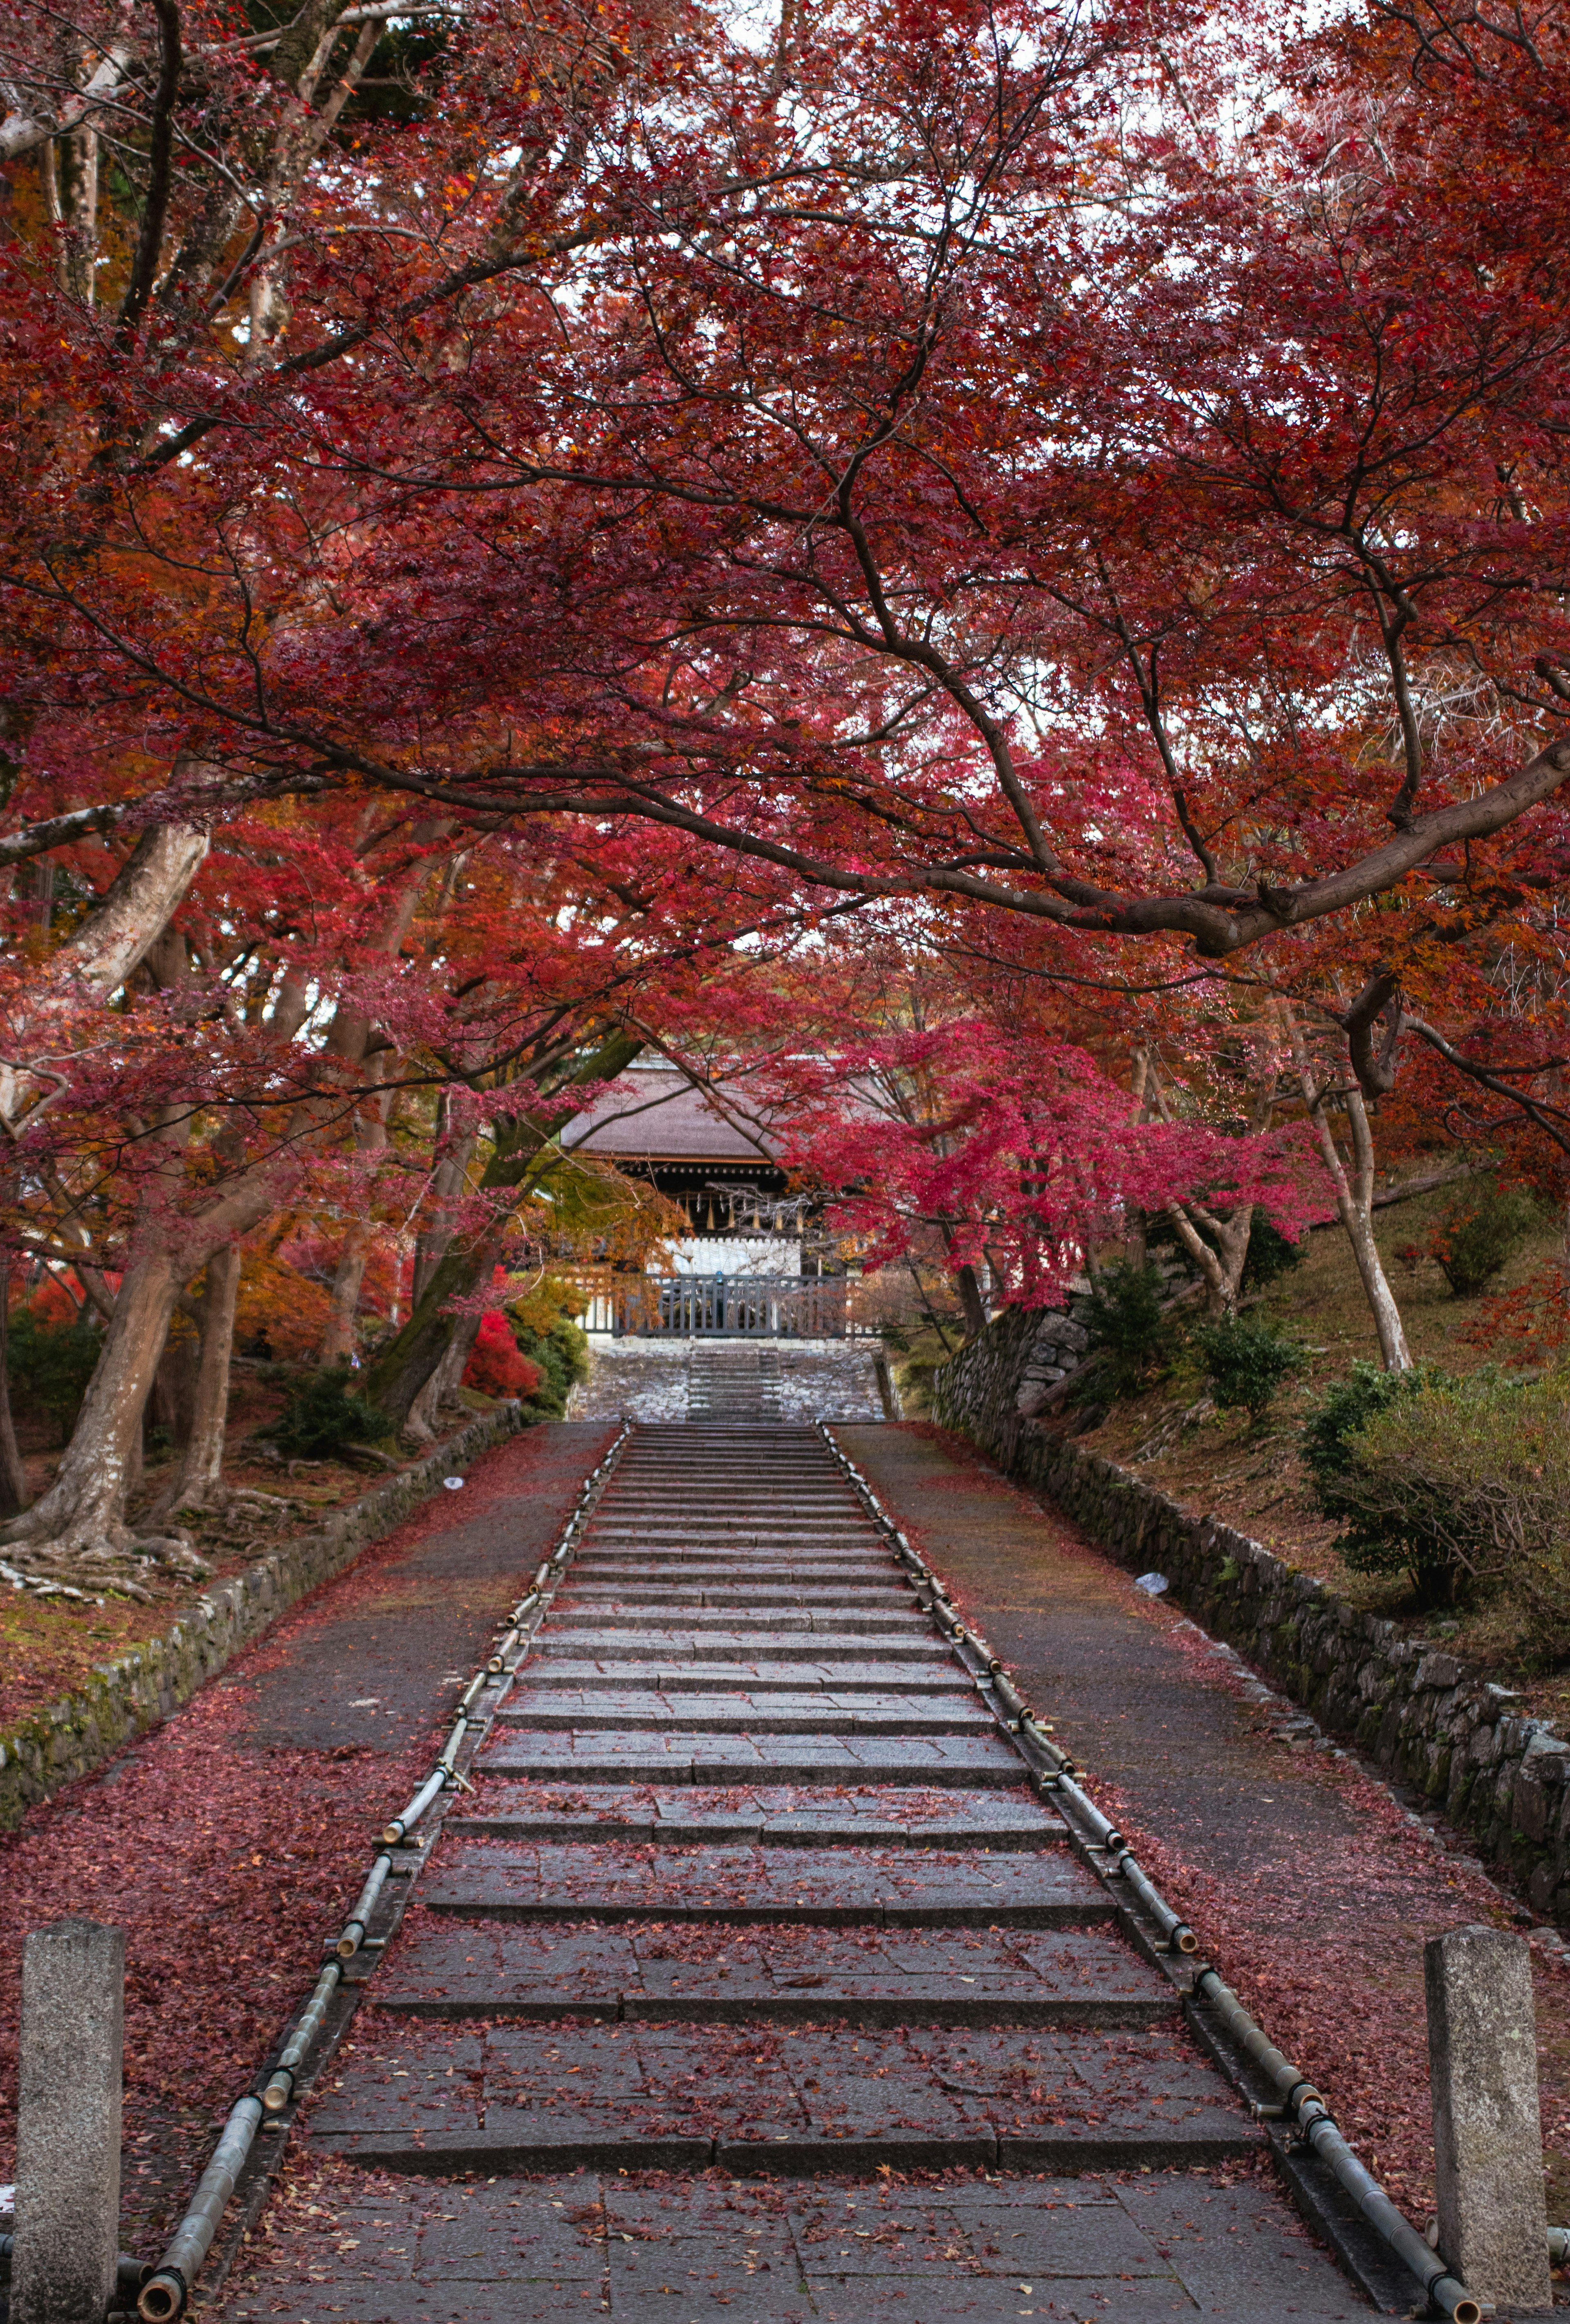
[{"x": 719, "y": 1306}]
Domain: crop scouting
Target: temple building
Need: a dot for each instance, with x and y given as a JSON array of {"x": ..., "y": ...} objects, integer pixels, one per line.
[{"x": 754, "y": 1247}]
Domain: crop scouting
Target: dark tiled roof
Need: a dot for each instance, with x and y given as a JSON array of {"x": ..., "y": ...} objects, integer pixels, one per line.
[{"x": 653, "y": 1114}]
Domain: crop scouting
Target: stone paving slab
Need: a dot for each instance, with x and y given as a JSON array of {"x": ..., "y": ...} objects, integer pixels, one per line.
[
  {"x": 532, "y": 2097},
  {"x": 821, "y": 1712},
  {"x": 605, "y": 1566},
  {"x": 932, "y": 1888},
  {"x": 838, "y": 1537},
  {"x": 792, "y": 1974},
  {"x": 873, "y": 1816},
  {"x": 683, "y": 1756},
  {"x": 1163, "y": 2245}
]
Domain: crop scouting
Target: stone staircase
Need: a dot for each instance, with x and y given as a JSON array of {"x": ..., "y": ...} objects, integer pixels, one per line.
[
  {"x": 753, "y": 1892},
  {"x": 733, "y": 1384}
]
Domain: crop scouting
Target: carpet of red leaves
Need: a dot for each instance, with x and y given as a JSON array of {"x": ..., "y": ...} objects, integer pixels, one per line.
[
  {"x": 226, "y": 1862},
  {"x": 1324, "y": 1941}
]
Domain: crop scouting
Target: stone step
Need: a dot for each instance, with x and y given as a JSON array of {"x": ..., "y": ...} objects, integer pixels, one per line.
[
  {"x": 783, "y": 1974},
  {"x": 517, "y": 2097},
  {"x": 907, "y": 1888},
  {"x": 735, "y": 1713},
  {"x": 878, "y": 1816},
  {"x": 577, "y": 1596},
  {"x": 792, "y": 1543},
  {"x": 752, "y": 1678},
  {"x": 608, "y": 1755},
  {"x": 509, "y": 2249},
  {"x": 602, "y": 1567},
  {"x": 731, "y": 1620},
  {"x": 916, "y": 1645},
  {"x": 716, "y": 1501}
]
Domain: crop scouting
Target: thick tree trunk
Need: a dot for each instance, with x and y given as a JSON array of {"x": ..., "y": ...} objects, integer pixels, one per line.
[
  {"x": 396, "y": 1380},
  {"x": 82, "y": 1509},
  {"x": 12, "y": 1476},
  {"x": 448, "y": 1180},
  {"x": 424, "y": 1421},
  {"x": 172, "y": 1400},
  {"x": 338, "y": 1340},
  {"x": 200, "y": 1483}
]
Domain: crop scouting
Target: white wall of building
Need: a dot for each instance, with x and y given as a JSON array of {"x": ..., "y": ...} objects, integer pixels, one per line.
[{"x": 746, "y": 1255}]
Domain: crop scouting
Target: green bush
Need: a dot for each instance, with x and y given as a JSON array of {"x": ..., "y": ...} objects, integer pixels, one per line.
[
  {"x": 1247, "y": 1362},
  {"x": 562, "y": 1356},
  {"x": 1131, "y": 1335},
  {"x": 50, "y": 1364},
  {"x": 322, "y": 1419},
  {"x": 1466, "y": 1483},
  {"x": 1474, "y": 1239},
  {"x": 1347, "y": 1407}
]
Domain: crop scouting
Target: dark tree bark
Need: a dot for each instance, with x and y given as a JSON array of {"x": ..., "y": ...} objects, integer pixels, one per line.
[{"x": 12, "y": 1476}]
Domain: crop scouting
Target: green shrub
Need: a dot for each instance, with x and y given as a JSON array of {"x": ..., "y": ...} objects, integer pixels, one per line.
[
  {"x": 562, "y": 1356},
  {"x": 1132, "y": 1334},
  {"x": 50, "y": 1364},
  {"x": 322, "y": 1419},
  {"x": 1247, "y": 1362},
  {"x": 1347, "y": 1407},
  {"x": 1474, "y": 1239},
  {"x": 1467, "y": 1481}
]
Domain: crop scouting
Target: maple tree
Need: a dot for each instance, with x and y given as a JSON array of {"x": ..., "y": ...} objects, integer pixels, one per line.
[{"x": 507, "y": 507}]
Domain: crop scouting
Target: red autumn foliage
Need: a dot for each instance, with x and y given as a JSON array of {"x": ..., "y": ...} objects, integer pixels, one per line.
[{"x": 498, "y": 1366}]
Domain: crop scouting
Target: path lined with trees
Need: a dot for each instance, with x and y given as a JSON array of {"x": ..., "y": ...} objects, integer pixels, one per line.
[{"x": 1003, "y": 570}]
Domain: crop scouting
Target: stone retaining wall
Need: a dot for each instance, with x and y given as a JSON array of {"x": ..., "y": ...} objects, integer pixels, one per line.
[
  {"x": 1431, "y": 1720},
  {"x": 132, "y": 1693}
]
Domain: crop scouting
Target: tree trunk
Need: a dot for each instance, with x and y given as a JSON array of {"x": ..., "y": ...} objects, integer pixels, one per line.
[
  {"x": 970, "y": 1300},
  {"x": 200, "y": 1483},
  {"x": 338, "y": 1340},
  {"x": 172, "y": 1400},
  {"x": 13, "y": 1475},
  {"x": 401, "y": 1370},
  {"x": 447, "y": 1181},
  {"x": 1221, "y": 1263},
  {"x": 424, "y": 1421},
  {"x": 1354, "y": 1200},
  {"x": 83, "y": 1508}
]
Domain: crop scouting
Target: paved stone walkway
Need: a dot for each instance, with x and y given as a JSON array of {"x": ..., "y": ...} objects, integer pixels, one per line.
[{"x": 754, "y": 1979}]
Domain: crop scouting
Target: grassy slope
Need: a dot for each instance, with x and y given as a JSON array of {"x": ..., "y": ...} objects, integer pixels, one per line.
[{"x": 1251, "y": 1477}]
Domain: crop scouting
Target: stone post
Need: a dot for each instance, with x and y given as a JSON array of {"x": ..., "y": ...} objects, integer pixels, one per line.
[
  {"x": 68, "y": 2132},
  {"x": 1487, "y": 2139}
]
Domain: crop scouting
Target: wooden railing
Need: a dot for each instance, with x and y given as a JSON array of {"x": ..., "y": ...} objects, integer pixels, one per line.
[{"x": 719, "y": 1306}]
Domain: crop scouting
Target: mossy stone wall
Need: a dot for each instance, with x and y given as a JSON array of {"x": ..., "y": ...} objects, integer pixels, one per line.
[
  {"x": 132, "y": 1693},
  {"x": 1437, "y": 1725}
]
